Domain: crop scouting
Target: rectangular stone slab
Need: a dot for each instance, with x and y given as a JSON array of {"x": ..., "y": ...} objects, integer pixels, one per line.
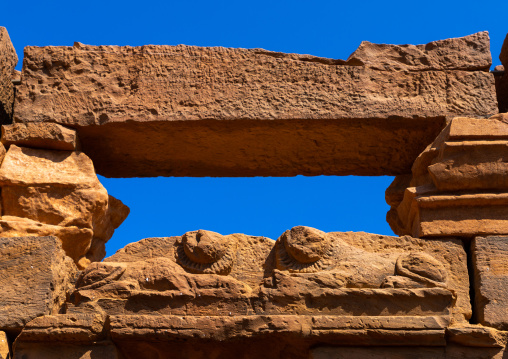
[
  {"x": 490, "y": 264},
  {"x": 368, "y": 330},
  {"x": 35, "y": 275},
  {"x": 191, "y": 111}
]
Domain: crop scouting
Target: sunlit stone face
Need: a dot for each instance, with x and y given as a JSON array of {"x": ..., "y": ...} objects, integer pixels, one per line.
[
  {"x": 305, "y": 244},
  {"x": 204, "y": 246}
]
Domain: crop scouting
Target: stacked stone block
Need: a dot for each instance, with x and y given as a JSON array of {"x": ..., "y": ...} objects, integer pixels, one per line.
[{"x": 189, "y": 111}]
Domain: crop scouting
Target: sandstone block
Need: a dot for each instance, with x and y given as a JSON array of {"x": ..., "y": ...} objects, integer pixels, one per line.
[
  {"x": 65, "y": 336},
  {"x": 367, "y": 330},
  {"x": 245, "y": 259},
  {"x": 4, "y": 346},
  {"x": 35, "y": 276},
  {"x": 40, "y": 135},
  {"x": 306, "y": 271},
  {"x": 502, "y": 79},
  {"x": 476, "y": 336},
  {"x": 503, "y": 56},
  {"x": 234, "y": 295},
  {"x": 451, "y": 351},
  {"x": 458, "y": 185},
  {"x": 60, "y": 191},
  {"x": 75, "y": 241},
  {"x": 190, "y": 111},
  {"x": 2, "y": 153},
  {"x": 70, "y": 328},
  {"x": 56, "y": 349},
  {"x": 381, "y": 352},
  {"x": 490, "y": 258},
  {"x": 231, "y": 336},
  {"x": 8, "y": 61},
  {"x": 450, "y": 54}
]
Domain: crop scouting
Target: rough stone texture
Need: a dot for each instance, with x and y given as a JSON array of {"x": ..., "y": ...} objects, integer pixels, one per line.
[
  {"x": 53, "y": 350},
  {"x": 75, "y": 241},
  {"x": 40, "y": 135},
  {"x": 458, "y": 185},
  {"x": 58, "y": 193},
  {"x": 69, "y": 328},
  {"x": 162, "y": 110},
  {"x": 477, "y": 336},
  {"x": 254, "y": 276},
  {"x": 503, "y": 56},
  {"x": 490, "y": 264},
  {"x": 451, "y": 351},
  {"x": 35, "y": 276},
  {"x": 2, "y": 153},
  {"x": 468, "y": 53},
  {"x": 8, "y": 61},
  {"x": 208, "y": 108},
  {"x": 4, "y": 346},
  {"x": 65, "y": 336},
  {"x": 248, "y": 255},
  {"x": 287, "y": 336},
  {"x": 502, "y": 78}
]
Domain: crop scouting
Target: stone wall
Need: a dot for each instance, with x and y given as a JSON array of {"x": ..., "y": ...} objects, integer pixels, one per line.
[{"x": 426, "y": 113}]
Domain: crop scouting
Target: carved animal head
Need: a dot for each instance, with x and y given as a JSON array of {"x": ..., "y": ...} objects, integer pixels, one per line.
[
  {"x": 417, "y": 270},
  {"x": 302, "y": 249},
  {"x": 204, "y": 246},
  {"x": 205, "y": 252}
]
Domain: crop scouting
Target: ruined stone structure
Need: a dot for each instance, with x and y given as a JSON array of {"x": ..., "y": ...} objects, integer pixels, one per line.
[{"x": 432, "y": 115}]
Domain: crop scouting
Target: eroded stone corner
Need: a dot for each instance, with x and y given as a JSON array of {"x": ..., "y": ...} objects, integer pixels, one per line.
[{"x": 49, "y": 187}]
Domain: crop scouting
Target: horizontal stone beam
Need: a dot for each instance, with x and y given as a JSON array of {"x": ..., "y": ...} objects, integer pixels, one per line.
[{"x": 191, "y": 111}]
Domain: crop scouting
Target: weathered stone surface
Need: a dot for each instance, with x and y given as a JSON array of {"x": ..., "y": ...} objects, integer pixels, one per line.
[
  {"x": 55, "y": 349},
  {"x": 35, "y": 276},
  {"x": 81, "y": 336},
  {"x": 363, "y": 260},
  {"x": 2, "y": 153},
  {"x": 380, "y": 352},
  {"x": 502, "y": 91},
  {"x": 48, "y": 192},
  {"x": 189, "y": 111},
  {"x": 246, "y": 260},
  {"x": 307, "y": 272},
  {"x": 502, "y": 78},
  {"x": 503, "y": 56},
  {"x": 16, "y": 77},
  {"x": 341, "y": 330},
  {"x": 40, "y": 135},
  {"x": 4, "y": 346},
  {"x": 8, "y": 61},
  {"x": 451, "y": 351},
  {"x": 477, "y": 336},
  {"x": 288, "y": 336},
  {"x": 467, "y": 53},
  {"x": 81, "y": 328},
  {"x": 75, "y": 241},
  {"x": 490, "y": 259},
  {"x": 458, "y": 185}
]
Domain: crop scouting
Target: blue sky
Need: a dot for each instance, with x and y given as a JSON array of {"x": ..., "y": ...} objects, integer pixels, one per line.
[{"x": 257, "y": 206}]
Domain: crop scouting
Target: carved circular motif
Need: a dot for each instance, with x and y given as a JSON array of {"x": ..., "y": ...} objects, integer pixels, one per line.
[
  {"x": 205, "y": 252},
  {"x": 305, "y": 244},
  {"x": 303, "y": 249},
  {"x": 204, "y": 246}
]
